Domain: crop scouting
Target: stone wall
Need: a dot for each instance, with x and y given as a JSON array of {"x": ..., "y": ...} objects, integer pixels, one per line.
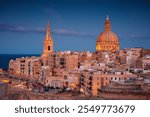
[{"x": 124, "y": 96}]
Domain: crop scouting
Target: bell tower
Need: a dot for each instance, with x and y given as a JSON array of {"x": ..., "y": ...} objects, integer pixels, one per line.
[{"x": 48, "y": 42}]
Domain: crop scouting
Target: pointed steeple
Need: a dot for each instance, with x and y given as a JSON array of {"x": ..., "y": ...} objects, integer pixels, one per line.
[
  {"x": 107, "y": 24},
  {"x": 48, "y": 42},
  {"x": 48, "y": 32}
]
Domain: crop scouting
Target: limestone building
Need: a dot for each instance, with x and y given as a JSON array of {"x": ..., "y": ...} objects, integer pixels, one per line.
[
  {"x": 63, "y": 60},
  {"x": 92, "y": 81}
]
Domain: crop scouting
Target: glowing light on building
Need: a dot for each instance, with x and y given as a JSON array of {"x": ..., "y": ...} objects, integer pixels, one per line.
[{"x": 107, "y": 40}]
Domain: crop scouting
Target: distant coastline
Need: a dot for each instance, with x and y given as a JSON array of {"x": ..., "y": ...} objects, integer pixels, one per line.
[{"x": 5, "y": 58}]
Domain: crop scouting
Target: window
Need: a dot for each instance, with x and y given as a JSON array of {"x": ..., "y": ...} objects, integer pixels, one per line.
[
  {"x": 49, "y": 48},
  {"x": 65, "y": 77}
]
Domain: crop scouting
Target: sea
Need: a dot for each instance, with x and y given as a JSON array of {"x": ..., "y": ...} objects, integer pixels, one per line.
[{"x": 5, "y": 58}]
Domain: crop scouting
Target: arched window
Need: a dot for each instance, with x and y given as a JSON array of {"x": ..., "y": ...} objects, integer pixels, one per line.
[{"x": 49, "y": 48}]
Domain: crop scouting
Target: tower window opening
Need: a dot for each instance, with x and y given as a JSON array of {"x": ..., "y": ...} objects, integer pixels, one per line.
[{"x": 49, "y": 48}]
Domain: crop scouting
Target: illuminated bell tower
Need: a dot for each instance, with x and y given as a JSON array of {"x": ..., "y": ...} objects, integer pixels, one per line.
[{"x": 48, "y": 42}]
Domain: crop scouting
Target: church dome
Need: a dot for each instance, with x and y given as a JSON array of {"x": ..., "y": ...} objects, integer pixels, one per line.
[{"x": 107, "y": 40}]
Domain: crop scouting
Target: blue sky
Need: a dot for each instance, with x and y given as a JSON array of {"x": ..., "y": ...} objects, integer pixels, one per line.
[{"x": 75, "y": 24}]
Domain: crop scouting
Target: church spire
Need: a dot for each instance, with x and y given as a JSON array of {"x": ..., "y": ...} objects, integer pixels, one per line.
[
  {"x": 107, "y": 24},
  {"x": 48, "y": 42},
  {"x": 48, "y": 32}
]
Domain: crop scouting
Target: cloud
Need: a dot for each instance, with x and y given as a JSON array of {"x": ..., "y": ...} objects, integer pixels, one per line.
[
  {"x": 134, "y": 36},
  {"x": 22, "y": 29},
  {"x": 39, "y": 29},
  {"x": 10, "y": 27},
  {"x": 18, "y": 28},
  {"x": 71, "y": 33},
  {"x": 137, "y": 36}
]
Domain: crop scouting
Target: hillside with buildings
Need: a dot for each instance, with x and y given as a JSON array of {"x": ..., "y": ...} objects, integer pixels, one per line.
[{"x": 107, "y": 73}]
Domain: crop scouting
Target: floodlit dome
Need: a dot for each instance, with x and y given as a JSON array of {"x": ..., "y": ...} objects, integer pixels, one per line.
[{"x": 107, "y": 40}]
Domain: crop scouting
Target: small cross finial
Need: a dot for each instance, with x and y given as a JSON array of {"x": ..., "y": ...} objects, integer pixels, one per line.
[{"x": 107, "y": 17}]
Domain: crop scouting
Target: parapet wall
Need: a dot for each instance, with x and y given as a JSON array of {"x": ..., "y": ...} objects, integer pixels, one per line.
[{"x": 123, "y": 96}]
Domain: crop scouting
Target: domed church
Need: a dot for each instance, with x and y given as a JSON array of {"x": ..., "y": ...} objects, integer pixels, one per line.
[{"x": 107, "y": 40}]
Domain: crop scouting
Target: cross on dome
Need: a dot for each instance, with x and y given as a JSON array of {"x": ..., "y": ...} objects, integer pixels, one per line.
[{"x": 107, "y": 18}]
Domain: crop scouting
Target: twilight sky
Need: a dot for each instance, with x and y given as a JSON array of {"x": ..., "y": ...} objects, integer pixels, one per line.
[{"x": 75, "y": 24}]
